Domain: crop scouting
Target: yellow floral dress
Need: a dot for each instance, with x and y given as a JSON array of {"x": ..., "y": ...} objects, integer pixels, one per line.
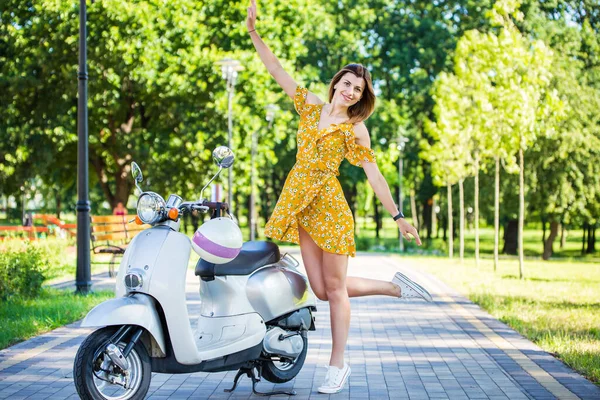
[{"x": 312, "y": 195}]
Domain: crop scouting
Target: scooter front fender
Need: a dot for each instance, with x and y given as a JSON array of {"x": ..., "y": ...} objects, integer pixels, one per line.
[{"x": 139, "y": 309}]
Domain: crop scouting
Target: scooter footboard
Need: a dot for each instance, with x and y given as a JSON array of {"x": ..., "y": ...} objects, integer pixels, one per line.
[{"x": 139, "y": 309}]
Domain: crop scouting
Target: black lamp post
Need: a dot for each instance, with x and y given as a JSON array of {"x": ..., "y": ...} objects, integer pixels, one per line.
[{"x": 83, "y": 278}]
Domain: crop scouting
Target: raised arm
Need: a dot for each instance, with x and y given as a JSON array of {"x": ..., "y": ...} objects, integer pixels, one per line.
[{"x": 287, "y": 83}]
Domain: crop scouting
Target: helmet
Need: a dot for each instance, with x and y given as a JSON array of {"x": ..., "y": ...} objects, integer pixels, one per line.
[{"x": 218, "y": 240}]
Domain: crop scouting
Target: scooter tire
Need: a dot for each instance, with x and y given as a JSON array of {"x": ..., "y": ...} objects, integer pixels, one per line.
[
  {"x": 274, "y": 374},
  {"x": 83, "y": 374}
]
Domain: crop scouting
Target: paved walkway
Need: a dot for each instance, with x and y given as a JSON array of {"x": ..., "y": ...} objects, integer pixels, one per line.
[{"x": 448, "y": 349}]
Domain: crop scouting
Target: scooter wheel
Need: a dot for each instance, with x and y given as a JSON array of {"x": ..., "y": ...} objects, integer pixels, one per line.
[
  {"x": 93, "y": 373},
  {"x": 280, "y": 372}
]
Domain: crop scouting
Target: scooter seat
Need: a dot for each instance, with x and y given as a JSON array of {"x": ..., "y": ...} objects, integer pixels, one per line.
[{"x": 253, "y": 255}]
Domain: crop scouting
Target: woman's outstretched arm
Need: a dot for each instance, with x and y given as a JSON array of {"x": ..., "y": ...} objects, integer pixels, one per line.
[
  {"x": 380, "y": 186},
  {"x": 287, "y": 83}
]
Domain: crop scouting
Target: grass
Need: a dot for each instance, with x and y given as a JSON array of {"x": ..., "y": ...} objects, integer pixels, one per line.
[
  {"x": 557, "y": 305},
  {"x": 24, "y": 318},
  {"x": 532, "y": 241}
]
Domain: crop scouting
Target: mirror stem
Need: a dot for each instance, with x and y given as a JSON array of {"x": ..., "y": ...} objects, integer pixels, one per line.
[{"x": 212, "y": 179}]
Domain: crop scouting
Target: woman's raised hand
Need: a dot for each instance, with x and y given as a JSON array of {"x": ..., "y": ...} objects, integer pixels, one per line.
[
  {"x": 407, "y": 230},
  {"x": 251, "y": 18}
]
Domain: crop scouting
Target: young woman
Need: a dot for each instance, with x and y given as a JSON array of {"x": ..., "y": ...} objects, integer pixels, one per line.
[{"x": 312, "y": 210}]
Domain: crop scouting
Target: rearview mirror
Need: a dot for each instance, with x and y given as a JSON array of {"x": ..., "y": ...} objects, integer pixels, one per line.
[{"x": 223, "y": 156}]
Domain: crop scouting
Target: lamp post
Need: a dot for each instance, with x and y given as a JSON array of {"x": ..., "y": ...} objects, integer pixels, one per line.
[
  {"x": 400, "y": 141},
  {"x": 229, "y": 70},
  {"x": 22, "y": 204},
  {"x": 271, "y": 110},
  {"x": 83, "y": 276}
]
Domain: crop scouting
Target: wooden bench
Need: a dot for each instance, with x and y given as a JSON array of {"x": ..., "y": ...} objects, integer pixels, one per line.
[
  {"x": 30, "y": 232},
  {"x": 48, "y": 219},
  {"x": 110, "y": 234}
]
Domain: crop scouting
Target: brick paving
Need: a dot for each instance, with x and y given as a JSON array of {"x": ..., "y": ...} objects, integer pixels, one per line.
[{"x": 448, "y": 349}]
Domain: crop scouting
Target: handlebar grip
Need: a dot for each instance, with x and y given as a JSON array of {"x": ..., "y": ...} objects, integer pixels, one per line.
[{"x": 215, "y": 204}]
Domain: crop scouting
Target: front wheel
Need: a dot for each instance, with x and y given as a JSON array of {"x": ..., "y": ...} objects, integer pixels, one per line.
[
  {"x": 98, "y": 378},
  {"x": 284, "y": 370}
]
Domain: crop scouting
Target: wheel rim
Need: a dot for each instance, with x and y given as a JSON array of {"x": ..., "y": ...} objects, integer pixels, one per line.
[
  {"x": 115, "y": 391},
  {"x": 285, "y": 365}
]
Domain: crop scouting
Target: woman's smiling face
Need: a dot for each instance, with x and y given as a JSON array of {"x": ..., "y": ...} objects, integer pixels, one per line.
[{"x": 349, "y": 89}]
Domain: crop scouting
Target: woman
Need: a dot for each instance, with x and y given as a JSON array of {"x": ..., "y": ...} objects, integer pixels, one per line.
[{"x": 312, "y": 210}]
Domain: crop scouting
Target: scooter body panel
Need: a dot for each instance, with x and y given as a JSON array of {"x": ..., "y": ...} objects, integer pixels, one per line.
[
  {"x": 274, "y": 291},
  {"x": 225, "y": 296},
  {"x": 220, "y": 336},
  {"x": 138, "y": 309},
  {"x": 168, "y": 288},
  {"x": 141, "y": 257}
]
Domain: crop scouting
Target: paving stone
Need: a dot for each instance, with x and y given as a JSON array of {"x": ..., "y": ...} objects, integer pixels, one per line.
[{"x": 397, "y": 350}]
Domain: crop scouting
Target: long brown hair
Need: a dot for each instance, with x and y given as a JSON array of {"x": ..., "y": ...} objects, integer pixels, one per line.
[{"x": 365, "y": 106}]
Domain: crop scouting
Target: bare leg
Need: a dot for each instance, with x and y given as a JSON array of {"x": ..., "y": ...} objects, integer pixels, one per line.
[
  {"x": 312, "y": 256},
  {"x": 334, "y": 277},
  {"x": 365, "y": 287}
]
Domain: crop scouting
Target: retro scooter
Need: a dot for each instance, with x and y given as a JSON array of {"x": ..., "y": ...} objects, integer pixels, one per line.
[{"x": 254, "y": 315}]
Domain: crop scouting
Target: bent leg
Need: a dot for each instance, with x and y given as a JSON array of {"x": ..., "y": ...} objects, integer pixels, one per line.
[
  {"x": 366, "y": 287},
  {"x": 312, "y": 257},
  {"x": 334, "y": 276}
]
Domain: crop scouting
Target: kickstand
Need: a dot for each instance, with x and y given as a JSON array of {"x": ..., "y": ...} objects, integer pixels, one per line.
[{"x": 250, "y": 373}]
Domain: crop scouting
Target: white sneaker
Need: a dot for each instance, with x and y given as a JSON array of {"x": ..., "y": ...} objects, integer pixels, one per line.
[
  {"x": 335, "y": 379},
  {"x": 409, "y": 288}
]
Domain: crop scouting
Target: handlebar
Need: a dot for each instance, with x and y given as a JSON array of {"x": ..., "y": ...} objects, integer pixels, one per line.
[{"x": 204, "y": 206}]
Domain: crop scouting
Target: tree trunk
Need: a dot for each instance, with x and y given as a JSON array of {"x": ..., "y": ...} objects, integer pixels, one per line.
[
  {"x": 543, "y": 230},
  {"x": 476, "y": 209},
  {"x": 496, "y": 212},
  {"x": 427, "y": 217},
  {"x": 376, "y": 215},
  {"x": 583, "y": 238},
  {"x": 591, "y": 240},
  {"x": 461, "y": 223},
  {"x": 563, "y": 236},
  {"x": 450, "y": 236},
  {"x": 444, "y": 222},
  {"x": 550, "y": 241},
  {"x": 434, "y": 221},
  {"x": 521, "y": 209},
  {"x": 58, "y": 204},
  {"x": 413, "y": 210},
  {"x": 511, "y": 235}
]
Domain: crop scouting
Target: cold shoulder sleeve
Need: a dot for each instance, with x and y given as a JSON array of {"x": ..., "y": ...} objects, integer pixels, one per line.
[
  {"x": 300, "y": 100},
  {"x": 355, "y": 153}
]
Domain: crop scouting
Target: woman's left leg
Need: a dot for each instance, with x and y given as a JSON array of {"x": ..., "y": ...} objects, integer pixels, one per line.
[
  {"x": 335, "y": 267},
  {"x": 358, "y": 287}
]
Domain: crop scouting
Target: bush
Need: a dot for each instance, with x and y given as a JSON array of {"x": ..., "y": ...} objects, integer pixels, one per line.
[{"x": 21, "y": 270}]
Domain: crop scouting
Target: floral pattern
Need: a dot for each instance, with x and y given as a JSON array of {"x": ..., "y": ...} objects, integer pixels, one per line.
[{"x": 312, "y": 195}]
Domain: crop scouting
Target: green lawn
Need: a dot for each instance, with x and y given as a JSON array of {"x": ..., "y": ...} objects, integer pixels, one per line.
[
  {"x": 557, "y": 305},
  {"x": 25, "y": 318}
]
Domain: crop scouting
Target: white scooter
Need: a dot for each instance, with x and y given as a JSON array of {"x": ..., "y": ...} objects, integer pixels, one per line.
[{"x": 255, "y": 310}]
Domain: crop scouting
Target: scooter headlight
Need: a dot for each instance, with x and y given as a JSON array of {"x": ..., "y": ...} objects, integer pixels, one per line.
[{"x": 151, "y": 208}]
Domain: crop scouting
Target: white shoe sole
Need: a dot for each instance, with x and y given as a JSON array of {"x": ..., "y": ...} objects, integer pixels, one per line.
[
  {"x": 328, "y": 390},
  {"x": 421, "y": 291}
]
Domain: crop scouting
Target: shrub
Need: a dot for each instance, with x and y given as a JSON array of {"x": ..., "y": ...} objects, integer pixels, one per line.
[{"x": 21, "y": 270}]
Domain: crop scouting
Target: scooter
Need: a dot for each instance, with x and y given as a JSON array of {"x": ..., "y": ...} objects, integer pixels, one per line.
[{"x": 255, "y": 309}]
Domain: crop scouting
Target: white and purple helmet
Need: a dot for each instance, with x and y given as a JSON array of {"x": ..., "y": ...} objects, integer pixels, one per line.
[{"x": 218, "y": 240}]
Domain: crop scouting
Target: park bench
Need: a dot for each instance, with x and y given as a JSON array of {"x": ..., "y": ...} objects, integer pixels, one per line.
[
  {"x": 47, "y": 219},
  {"x": 110, "y": 234},
  {"x": 29, "y": 231}
]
